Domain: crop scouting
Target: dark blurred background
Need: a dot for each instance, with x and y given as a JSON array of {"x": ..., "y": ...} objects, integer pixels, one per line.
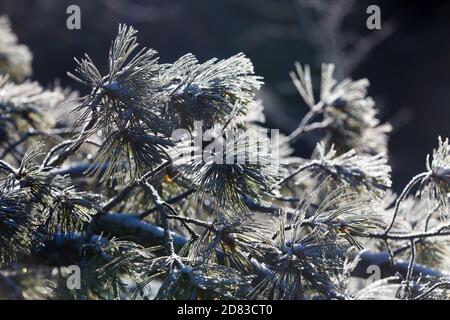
[{"x": 407, "y": 61}]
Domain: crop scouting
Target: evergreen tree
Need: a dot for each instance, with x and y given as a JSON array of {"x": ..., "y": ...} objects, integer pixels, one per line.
[{"x": 109, "y": 189}]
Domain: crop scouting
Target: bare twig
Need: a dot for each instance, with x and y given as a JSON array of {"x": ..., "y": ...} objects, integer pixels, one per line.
[
  {"x": 7, "y": 167},
  {"x": 197, "y": 222},
  {"x": 68, "y": 147},
  {"x": 432, "y": 288},
  {"x": 302, "y": 128},
  {"x": 111, "y": 203},
  {"x": 173, "y": 200},
  {"x": 402, "y": 196},
  {"x": 409, "y": 274},
  {"x": 308, "y": 165}
]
